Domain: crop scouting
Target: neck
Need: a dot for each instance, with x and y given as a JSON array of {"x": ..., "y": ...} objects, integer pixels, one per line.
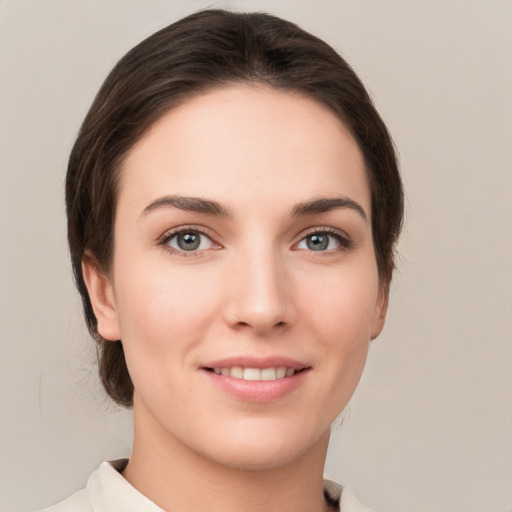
[{"x": 176, "y": 478}]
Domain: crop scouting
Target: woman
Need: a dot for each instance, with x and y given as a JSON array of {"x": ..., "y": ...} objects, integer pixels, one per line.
[{"x": 233, "y": 203}]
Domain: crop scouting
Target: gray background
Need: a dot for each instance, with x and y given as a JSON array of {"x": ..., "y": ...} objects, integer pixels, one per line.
[{"x": 429, "y": 428}]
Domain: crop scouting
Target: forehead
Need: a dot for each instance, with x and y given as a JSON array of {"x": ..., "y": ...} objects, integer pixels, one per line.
[{"x": 245, "y": 143}]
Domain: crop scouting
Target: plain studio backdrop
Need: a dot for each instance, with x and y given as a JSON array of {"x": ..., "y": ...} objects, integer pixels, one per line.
[{"x": 430, "y": 426}]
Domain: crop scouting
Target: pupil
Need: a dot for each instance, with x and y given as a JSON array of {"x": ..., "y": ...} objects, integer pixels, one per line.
[
  {"x": 189, "y": 241},
  {"x": 318, "y": 242}
]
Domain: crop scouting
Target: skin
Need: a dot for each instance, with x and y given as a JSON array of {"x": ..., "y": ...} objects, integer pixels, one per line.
[{"x": 253, "y": 287}]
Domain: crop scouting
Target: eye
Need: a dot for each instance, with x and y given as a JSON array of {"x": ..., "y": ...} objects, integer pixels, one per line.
[
  {"x": 323, "y": 241},
  {"x": 189, "y": 241}
]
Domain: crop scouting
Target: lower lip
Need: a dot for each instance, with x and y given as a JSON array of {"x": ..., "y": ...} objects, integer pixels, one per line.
[{"x": 258, "y": 391}]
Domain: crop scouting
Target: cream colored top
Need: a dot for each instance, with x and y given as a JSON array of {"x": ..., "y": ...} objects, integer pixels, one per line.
[{"x": 108, "y": 491}]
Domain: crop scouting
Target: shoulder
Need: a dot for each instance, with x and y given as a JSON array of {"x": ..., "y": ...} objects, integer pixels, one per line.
[
  {"x": 342, "y": 499},
  {"x": 77, "y": 502},
  {"x": 106, "y": 490}
]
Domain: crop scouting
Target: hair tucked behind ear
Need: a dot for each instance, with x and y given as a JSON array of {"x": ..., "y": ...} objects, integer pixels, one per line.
[{"x": 206, "y": 50}]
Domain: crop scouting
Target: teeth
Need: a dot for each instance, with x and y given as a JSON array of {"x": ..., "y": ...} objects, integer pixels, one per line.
[
  {"x": 268, "y": 374},
  {"x": 237, "y": 372},
  {"x": 273, "y": 373},
  {"x": 252, "y": 374}
]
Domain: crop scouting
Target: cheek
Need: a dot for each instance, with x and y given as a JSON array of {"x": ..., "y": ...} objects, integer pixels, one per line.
[
  {"x": 342, "y": 301},
  {"x": 163, "y": 310},
  {"x": 341, "y": 313}
]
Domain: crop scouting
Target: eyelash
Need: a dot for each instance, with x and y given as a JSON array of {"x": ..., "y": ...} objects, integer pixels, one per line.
[
  {"x": 342, "y": 239},
  {"x": 167, "y": 237}
]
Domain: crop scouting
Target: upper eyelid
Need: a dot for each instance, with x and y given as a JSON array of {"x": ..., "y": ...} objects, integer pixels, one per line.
[
  {"x": 324, "y": 229},
  {"x": 343, "y": 238},
  {"x": 203, "y": 230},
  {"x": 168, "y": 235},
  {"x": 216, "y": 239}
]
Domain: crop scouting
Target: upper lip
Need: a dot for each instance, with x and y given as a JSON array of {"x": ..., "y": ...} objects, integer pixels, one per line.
[{"x": 256, "y": 362}]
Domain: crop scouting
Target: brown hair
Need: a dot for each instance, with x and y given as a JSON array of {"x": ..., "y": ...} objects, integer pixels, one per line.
[{"x": 203, "y": 51}]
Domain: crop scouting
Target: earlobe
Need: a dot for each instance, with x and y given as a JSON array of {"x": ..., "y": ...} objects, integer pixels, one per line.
[
  {"x": 381, "y": 309},
  {"x": 102, "y": 299}
]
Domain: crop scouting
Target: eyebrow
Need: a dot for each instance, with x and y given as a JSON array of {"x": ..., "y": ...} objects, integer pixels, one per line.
[
  {"x": 209, "y": 207},
  {"x": 326, "y": 204},
  {"x": 190, "y": 204}
]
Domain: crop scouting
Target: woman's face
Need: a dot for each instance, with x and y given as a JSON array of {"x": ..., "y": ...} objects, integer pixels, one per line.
[{"x": 243, "y": 250}]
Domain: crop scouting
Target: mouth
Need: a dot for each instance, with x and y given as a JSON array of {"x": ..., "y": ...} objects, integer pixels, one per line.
[
  {"x": 257, "y": 374},
  {"x": 257, "y": 379}
]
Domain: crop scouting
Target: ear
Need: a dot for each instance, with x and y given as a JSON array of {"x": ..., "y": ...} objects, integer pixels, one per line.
[
  {"x": 102, "y": 299},
  {"x": 381, "y": 308}
]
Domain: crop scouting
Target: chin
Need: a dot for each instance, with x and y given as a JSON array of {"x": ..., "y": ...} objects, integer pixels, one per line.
[{"x": 264, "y": 450}]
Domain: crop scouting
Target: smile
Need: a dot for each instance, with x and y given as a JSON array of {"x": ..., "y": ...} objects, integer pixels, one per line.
[
  {"x": 257, "y": 379},
  {"x": 265, "y": 374}
]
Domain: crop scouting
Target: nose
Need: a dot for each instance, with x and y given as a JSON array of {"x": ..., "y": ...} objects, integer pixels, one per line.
[{"x": 260, "y": 293}]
